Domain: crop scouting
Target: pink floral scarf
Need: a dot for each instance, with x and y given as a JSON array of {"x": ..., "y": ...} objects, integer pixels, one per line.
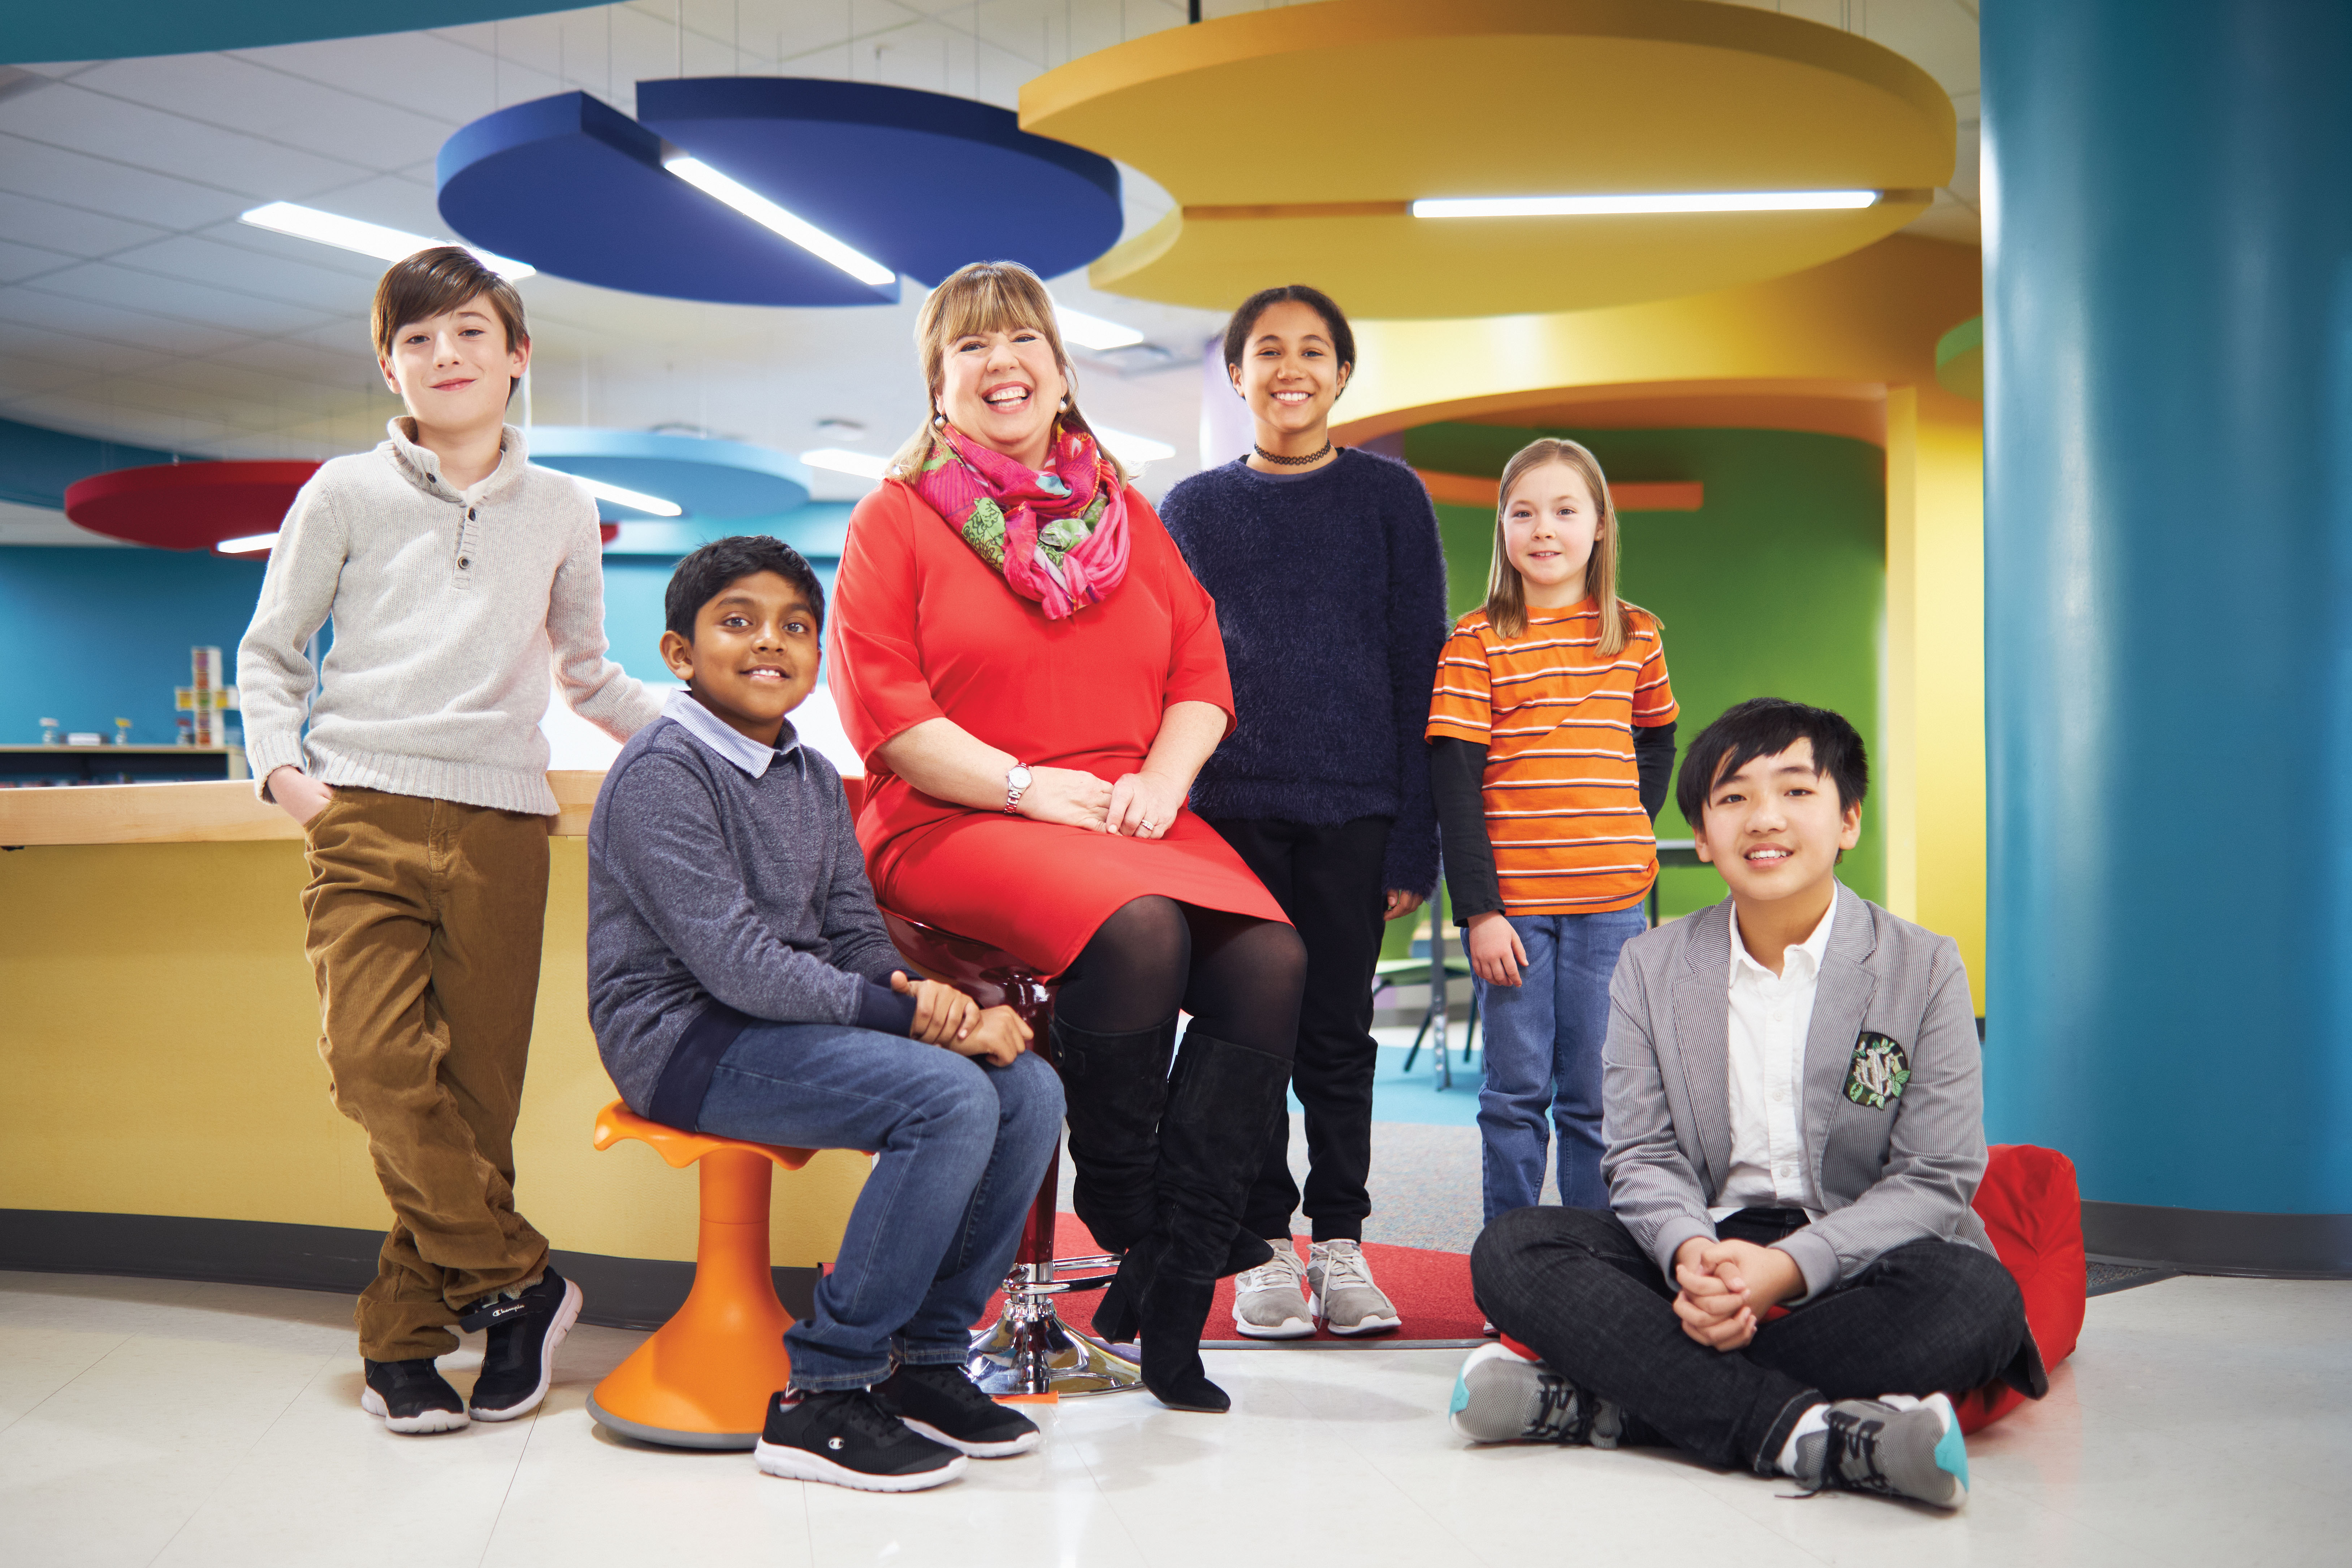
[{"x": 1058, "y": 535}]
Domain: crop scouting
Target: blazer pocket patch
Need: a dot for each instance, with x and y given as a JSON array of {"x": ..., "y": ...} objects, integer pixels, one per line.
[{"x": 1879, "y": 1072}]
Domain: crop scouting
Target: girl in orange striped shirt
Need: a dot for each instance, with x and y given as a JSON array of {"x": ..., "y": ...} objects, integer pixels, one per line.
[{"x": 1551, "y": 731}]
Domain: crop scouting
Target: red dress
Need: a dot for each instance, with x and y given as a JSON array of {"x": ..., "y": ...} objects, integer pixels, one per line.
[{"x": 924, "y": 629}]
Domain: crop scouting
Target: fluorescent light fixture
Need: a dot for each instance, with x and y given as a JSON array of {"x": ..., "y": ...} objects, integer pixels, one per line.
[
  {"x": 1092, "y": 331},
  {"x": 249, "y": 543},
  {"x": 368, "y": 239},
  {"x": 767, "y": 215},
  {"x": 1129, "y": 447},
  {"x": 1594, "y": 206},
  {"x": 841, "y": 460},
  {"x": 635, "y": 499}
]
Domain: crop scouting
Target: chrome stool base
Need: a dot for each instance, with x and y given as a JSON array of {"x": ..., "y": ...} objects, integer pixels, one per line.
[{"x": 1029, "y": 1350}]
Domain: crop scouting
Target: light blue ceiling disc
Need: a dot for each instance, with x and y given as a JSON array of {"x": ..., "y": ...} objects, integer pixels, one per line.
[
  {"x": 713, "y": 480},
  {"x": 577, "y": 189},
  {"x": 921, "y": 182},
  {"x": 119, "y": 28}
]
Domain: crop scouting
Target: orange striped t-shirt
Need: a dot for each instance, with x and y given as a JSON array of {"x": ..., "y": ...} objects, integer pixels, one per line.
[{"x": 1563, "y": 800}]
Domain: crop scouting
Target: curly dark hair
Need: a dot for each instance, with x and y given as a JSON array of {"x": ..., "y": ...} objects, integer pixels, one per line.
[
  {"x": 1244, "y": 321},
  {"x": 704, "y": 575}
]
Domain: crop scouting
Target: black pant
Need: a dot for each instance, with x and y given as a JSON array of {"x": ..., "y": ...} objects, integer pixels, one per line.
[
  {"x": 1572, "y": 1285},
  {"x": 1328, "y": 879}
]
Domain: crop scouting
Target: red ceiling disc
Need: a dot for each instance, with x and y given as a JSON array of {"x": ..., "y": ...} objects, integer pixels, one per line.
[{"x": 187, "y": 506}]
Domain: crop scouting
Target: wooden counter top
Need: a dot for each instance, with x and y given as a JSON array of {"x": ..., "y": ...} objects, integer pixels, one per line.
[{"x": 201, "y": 814}]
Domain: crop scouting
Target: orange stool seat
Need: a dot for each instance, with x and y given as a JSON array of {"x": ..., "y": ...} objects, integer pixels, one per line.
[{"x": 703, "y": 1380}]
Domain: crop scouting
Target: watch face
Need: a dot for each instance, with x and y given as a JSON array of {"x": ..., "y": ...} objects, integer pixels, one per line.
[{"x": 1018, "y": 777}]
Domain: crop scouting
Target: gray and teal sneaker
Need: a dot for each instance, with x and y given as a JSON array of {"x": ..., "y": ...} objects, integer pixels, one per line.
[
  {"x": 1895, "y": 1446},
  {"x": 1501, "y": 1397}
]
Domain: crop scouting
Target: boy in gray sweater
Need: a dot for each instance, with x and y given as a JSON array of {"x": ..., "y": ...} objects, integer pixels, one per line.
[
  {"x": 452, "y": 570},
  {"x": 741, "y": 983}
]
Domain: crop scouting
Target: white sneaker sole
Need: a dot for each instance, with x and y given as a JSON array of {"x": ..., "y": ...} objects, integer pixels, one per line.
[
  {"x": 429, "y": 1421},
  {"x": 801, "y": 1465},
  {"x": 1297, "y": 1325},
  {"x": 565, "y": 1316},
  {"x": 1004, "y": 1450},
  {"x": 1362, "y": 1325}
]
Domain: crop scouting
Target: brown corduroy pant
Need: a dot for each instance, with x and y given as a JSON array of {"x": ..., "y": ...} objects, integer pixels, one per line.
[{"x": 424, "y": 919}]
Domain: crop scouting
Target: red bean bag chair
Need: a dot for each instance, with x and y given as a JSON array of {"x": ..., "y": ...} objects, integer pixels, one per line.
[{"x": 2033, "y": 1210}]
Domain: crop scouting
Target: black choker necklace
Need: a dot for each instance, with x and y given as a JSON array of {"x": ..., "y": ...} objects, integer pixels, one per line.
[{"x": 1294, "y": 462}]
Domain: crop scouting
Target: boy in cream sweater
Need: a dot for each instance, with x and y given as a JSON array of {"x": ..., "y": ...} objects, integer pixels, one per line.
[{"x": 456, "y": 578}]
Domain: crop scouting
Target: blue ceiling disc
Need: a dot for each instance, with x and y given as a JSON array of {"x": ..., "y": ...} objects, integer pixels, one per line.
[
  {"x": 577, "y": 189},
  {"x": 921, "y": 182},
  {"x": 710, "y": 479}
]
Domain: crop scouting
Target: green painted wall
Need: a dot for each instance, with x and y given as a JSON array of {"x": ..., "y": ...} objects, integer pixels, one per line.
[{"x": 1775, "y": 587}]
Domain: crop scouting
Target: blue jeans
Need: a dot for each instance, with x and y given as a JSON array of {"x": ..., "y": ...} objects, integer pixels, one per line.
[
  {"x": 1543, "y": 1039},
  {"x": 962, "y": 1151}
]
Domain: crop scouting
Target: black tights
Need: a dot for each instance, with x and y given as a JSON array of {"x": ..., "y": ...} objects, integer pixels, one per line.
[{"x": 1240, "y": 978}]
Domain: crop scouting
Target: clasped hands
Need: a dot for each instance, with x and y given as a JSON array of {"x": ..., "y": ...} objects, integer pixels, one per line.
[
  {"x": 1726, "y": 1287},
  {"x": 1139, "y": 806},
  {"x": 945, "y": 1016}
]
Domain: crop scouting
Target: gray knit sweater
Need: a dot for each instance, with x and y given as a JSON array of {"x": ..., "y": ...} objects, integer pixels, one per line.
[{"x": 451, "y": 610}]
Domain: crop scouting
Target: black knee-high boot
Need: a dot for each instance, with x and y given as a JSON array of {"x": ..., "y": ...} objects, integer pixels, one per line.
[
  {"x": 1115, "y": 1086},
  {"x": 1220, "y": 1102}
]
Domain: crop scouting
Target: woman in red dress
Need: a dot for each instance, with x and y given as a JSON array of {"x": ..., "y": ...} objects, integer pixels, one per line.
[{"x": 1033, "y": 676}]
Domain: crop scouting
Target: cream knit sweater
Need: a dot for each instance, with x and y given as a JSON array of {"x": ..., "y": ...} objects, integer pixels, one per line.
[{"x": 451, "y": 610}]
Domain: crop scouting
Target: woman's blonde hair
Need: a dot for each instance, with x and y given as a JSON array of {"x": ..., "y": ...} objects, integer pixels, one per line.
[
  {"x": 985, "y": 297},
  {"x": 1506, "y": 592}
]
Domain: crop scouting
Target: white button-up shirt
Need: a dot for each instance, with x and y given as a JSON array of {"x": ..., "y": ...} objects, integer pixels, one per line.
[{"x": 1769, "y": 1017}]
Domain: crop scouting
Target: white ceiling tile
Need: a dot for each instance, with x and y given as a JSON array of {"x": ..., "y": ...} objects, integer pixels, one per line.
[
  {"x": 110, "y": 283},
  {"x": 22, "y": 261},
  {"x": 248, "y": 96},
  {"x": 276, "y": 266},
  {"x": 106, "y": 185},
  {"x": 67, "y": 228},
  {"x": 433, "y": 76},
  {"x": 85, "y": 355},
  {"x": 54, "y": 312},
  {"x": 172, "y": 144}
]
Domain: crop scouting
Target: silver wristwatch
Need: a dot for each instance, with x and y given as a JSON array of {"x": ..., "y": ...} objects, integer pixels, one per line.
[{"x": 1016, "y": 784}]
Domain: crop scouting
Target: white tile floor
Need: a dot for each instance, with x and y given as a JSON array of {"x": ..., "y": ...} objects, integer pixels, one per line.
[{"x": 2202, "y": 1422}]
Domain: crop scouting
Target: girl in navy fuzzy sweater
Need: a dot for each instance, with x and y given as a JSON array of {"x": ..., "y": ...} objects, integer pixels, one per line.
[{"x": 1331, "y": 590}]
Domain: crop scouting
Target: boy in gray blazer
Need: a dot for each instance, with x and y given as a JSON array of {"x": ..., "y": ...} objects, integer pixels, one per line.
[{"x": 1789, "y": 1276}]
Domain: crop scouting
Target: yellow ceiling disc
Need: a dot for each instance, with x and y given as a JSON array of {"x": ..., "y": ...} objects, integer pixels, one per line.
[{"x": 1294, "y": 139}]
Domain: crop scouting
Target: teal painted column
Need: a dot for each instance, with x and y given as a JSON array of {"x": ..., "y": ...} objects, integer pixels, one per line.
[{"x": 2168, "y": 617}]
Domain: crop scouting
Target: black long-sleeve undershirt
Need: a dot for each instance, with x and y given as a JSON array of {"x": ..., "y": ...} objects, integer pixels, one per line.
[{"x": 1457, "y": 776}]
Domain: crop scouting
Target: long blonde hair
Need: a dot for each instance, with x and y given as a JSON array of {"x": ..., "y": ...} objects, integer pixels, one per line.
[
  {"x": 981, "y": 298},
  {"x": 1507, "y": 592}
]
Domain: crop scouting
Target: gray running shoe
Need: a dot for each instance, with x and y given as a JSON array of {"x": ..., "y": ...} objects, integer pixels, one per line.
[
  {"x": 1501, "y": 1397},
  {"x": 1346, "y": 1300},
  {"x": 1270, "y": 1300},
  {"x": 1895, "y": 1446}
]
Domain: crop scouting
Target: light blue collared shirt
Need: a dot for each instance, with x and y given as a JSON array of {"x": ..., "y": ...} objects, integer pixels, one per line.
[{"x": 726, "y": 740}]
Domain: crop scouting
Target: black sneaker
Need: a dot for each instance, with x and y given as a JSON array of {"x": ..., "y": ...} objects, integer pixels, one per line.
[
  {"x": 944, "y": 1405},
  {"x": 519, "y": 1360},
  {"x": 850, "y": 1440},
  {"x": 412, "y": 1397}
]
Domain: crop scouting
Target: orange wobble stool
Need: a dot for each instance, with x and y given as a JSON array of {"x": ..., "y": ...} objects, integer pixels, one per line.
[{"x": 702, "y": 1381}]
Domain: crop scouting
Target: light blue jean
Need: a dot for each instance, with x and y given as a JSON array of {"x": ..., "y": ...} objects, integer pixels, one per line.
[
  {"x": 962, "y": 1151},
  {"x": 1542, "y": 1039}
]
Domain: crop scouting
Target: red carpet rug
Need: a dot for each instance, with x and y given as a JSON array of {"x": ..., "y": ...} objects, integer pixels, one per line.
[{"x": 1431, "y": 1290}]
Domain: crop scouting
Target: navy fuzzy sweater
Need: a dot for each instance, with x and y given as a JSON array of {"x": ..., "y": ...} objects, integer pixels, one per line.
[{"x": 1330, "y": 591}]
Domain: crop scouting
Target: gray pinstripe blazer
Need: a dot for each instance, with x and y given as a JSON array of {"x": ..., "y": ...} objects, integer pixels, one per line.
[{"x": 1887, "y": 1174}]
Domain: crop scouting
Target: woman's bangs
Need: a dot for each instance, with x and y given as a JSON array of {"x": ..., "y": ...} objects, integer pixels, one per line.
[{"x": 992, "y": 302}]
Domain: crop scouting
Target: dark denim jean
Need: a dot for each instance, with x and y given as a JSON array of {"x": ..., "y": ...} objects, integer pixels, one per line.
[
  {"x": 1543, "y": 1039},
  {"x": 961, "y": 1149},
  {"x": 1572, "y": 1285}
]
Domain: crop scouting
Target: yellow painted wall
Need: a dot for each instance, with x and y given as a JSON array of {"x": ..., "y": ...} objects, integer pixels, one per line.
[
  {"x": 1862, "y": 327},
  {"x": 160, "y": 1039}
]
